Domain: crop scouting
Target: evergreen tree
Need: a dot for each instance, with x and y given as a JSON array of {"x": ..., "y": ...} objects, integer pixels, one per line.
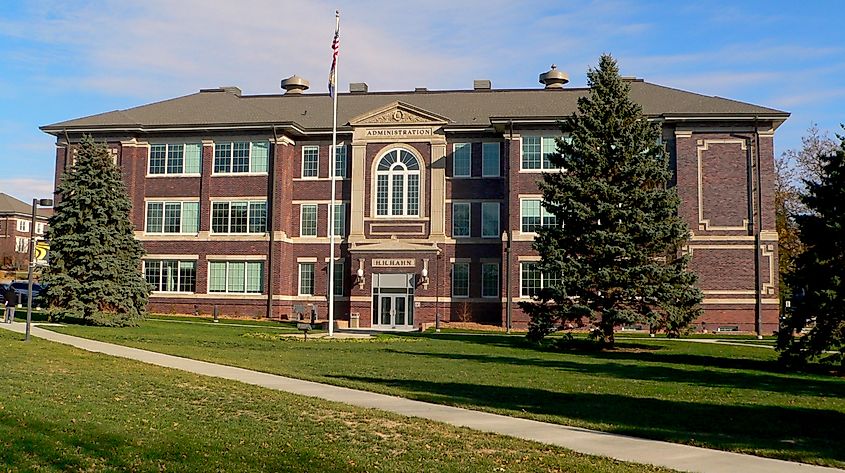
[
  {"x": 818, "y": 280},
  {"x": 616, "y": 247},
  {"x": 94, "y": 257}
]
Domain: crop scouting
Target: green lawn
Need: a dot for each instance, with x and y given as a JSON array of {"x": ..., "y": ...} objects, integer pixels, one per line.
[
  {"x": 721, "y": 396},
  {"x": 64, "y": 409}
]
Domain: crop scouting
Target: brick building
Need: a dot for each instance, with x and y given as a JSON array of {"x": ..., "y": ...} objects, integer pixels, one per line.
[
  {"x": 15, "y": 222},
  {"x": 436, "y": 196}
]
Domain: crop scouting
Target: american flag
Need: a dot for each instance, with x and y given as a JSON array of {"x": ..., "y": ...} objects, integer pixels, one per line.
[{"x": 335, "y": 49}]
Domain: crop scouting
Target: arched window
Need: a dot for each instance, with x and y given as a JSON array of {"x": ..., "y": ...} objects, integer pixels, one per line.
[{"x": 398, "y": 184}]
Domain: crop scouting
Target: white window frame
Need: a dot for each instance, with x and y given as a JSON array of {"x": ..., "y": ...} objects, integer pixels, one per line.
[
  {"x": 543, "y": 214},
  {"x": 246, "y": 264},
  {"x": 498, "y": 276},
  {"x": 313, "y": 278},
  {"x": 164, "y": 215},
  {"x": 469, "y": 219},
  {"x": 21, "y": 244},
  {"x": 316, "y": 220},
  {"x": 544, "y": 279},
  {"x": 469, "y": 279},
  {"x": 485, "y": 156},
  {"x": 498, "y": 220},
  {"x": 339, "y": 268},
  {"x": 23, "y": 225},
  {"x": 39, "y": 228},
  {"x": 249, "y": 217},
  {"x": 250, "y": 158},
  {"x": 455, "y": 147},
  {"x": 340, "y": 210},
  {"x": 167, "y": 148},
  {"x": 302, "y": 162},
  {"x": 398, "y": 169},
  {"x": 160, "y": 262},
  {"x": 544, "y": 140},
  {"x": 341, "y": 149}
]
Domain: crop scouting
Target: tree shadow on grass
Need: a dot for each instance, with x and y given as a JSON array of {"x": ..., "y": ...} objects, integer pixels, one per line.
[
  {"x": 605, "y": 366},
  {"x": 800, "y": 434}
]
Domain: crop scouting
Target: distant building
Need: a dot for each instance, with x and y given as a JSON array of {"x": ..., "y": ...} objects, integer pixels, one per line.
[
  {"x": 15, "y": 221},
  {"x": 231, "y": 196}
]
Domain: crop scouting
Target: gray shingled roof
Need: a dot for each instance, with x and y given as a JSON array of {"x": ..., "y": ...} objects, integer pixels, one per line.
[
  {"x": 464, "y": 108},
  {"x": 11, "y": 205}
]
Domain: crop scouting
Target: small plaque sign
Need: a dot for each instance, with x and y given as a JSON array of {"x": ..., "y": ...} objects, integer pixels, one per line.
[{"x": 394, "y": 262}]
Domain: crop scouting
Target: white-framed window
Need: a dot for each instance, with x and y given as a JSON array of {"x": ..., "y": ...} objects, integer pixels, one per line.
[
  {"x": 534, "y": 215},
  {"x": 461, "y": 226},
  {"x": 241, "y": 157},
  {"x": 236, "y": 277},
  {"x": 306, "y": 279},
  {"x": 398, "y": 184},
  {"x": 461, "y": 159},
  {"x": 178, "y": 158},
  {"x": 489, "y": 219},
  {"x": 490, "y": 160},
  {"x": 23, "y": 225},
  {"x": 460, "y": 279},
  {"x": 532, "y": 280},
  {"x": 308, "y": 220},
  {"x": 340, "y": 161},
  {"x": 339, "y": 278},
  {"x": 171, "y": 275},
  {"x": 536, "y": 151},
  {"x": 310, "y": 161},
  {"x": 21, "y": 244},
  {"x": 172, "y": 217},
  {"x": 490, "y": 280},
  {"x": 239, "y": 217},
  {"x": 339, "y": 219},
  {"x": 39, "y": 228}
]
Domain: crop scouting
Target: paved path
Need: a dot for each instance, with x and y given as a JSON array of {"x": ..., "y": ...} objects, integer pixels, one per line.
[{"x": 679, "y": 457}]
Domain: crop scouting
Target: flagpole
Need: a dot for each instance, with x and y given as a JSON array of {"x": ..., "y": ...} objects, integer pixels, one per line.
[{"x": 332, "y": 173}]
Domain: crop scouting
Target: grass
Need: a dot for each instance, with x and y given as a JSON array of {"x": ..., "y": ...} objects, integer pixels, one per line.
[
  {"x": 65, "y": 409},
  {"x": 720, "y": 396}
]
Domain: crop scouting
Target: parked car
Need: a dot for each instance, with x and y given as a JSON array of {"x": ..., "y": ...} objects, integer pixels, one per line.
[
  {"x": 22, "y": 288},
  {"x": 3, "y": 287}
]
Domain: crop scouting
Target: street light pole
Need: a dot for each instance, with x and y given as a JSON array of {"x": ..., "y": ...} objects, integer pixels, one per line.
[{"x": 35, "y": 203}]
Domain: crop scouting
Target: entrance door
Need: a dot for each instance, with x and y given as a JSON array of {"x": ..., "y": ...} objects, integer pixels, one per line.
[{"x": 393, "y": 299}]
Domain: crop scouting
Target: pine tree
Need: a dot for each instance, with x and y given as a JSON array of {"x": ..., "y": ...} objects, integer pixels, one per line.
[
  {"x": 616, "y": 247},
  {"x": 94, "y": 273},
  {"x": 818, "y": 280}
]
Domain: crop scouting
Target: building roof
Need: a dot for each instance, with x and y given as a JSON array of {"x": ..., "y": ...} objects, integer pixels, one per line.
[
  {"x": 11, "y": 205},
  {"x": 226, "y": 107}
]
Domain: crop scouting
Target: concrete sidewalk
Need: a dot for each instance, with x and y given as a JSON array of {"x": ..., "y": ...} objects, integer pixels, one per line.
[{"x": 670, "y": 455}]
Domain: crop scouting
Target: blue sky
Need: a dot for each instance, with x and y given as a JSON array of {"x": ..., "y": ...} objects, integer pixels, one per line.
[{"x": 67, "y": 59}]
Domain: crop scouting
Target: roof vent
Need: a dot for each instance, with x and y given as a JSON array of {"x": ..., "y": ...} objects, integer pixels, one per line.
[
  {"x": 295, "y": 85},
  {"x": 482, "y": 84},
  {"x": 231, "y": 89},
  {"x": 420, "y": 89},
  {"x": 358, "y": 88},
  {"x": 554, "y": 79}
]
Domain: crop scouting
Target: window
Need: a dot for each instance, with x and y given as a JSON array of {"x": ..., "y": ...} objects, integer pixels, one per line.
[
  {"x": 308, "y": 220},
  {"x": 490, "y": 280},
  {"x": 490, "y": 159},
  {"x": 398, "y": 184},
  {"x": 534, "y": 215},
  {"x": 171, "y": 275},
  {"x": 241, "y": 157},
  {"x": 181, "y": 158},
  {"x": 172, "y": 217},
  {"x": 306, "y": 279},
  {"x": 239, "y": 217},
  {"x": 461, "y": 159},
  {"x": 310, "y": 160},
  {"x": 536, "y": 151},
  {"x": 531, "y": 280},
  {"x": 21, "y": 244},
  {"x": 235, "y": 277},
  {"x": 39, "y": 228},
  {"x": 460, "y": 219},
  {"x": 23, "y": 226},
  {"x": 489, "y": 219},
  {"x": 460, "y": 279},
  {"x": 340, "y": 219},
  {"x": 338, "y": 278},
  {"x": 340, "y": 161}
]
